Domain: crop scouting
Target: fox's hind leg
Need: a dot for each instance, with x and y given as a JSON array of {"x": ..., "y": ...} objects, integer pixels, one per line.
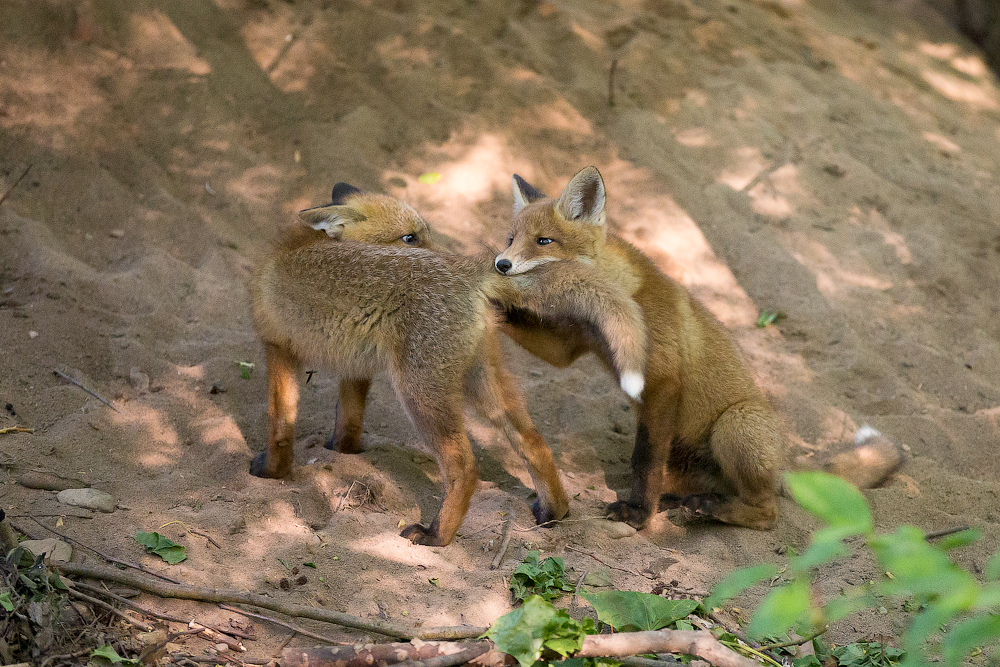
[
  {"x": 746, "y": 443},
  {"x": 494, "y": 395},
  {"x": 282, "y": 402},
  {"x": 346, "y": 437},
  {"x": 438, "y": 418}
]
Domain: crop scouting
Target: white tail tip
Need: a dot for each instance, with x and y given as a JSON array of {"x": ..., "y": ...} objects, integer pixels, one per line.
[
  {"x": 632, "y": 384},
  {"x": 864, "y": 434}
]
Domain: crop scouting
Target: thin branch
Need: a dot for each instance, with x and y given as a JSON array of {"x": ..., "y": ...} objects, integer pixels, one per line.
[
  {"x": 97, "y": 396},
  {"x": 505, "y": 539},
  {"x": 186, "y": 592},
  {"x": 16, "y": 183},
  {"x": 104, "y": 605},
  {"x": 459, "y": 658},
  {"x": 110, "y": 559},
  {"x": 934, "y": 534},
  {"x": 615, "y": 567},
  {"x": 294, "y": 628},
  {"x": 16, "y": 429}
]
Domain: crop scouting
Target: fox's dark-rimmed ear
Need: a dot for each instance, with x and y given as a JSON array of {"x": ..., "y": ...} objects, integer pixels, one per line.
[
  {"x": 583, "y": 199},
  {"x": 331, "y": 218},
  {"x": 524, "y": 193},
  {"x": 341, "y": 191}
]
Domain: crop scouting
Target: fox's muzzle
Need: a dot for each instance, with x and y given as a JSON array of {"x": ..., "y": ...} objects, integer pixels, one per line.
[{"x": 502, "y": 265}]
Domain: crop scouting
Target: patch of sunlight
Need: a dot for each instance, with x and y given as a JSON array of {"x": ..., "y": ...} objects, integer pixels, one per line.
[
  {"x": 396, "y": 49},
  {"x": 973, "y": 66},
  {"x": 161, "y": 446},
  {"x": 590, "y": 39},
  {"x": 939, "y": 51},
  {"x": 191, "y": 372},
  {"x": 157, "y": 43},
  {"x": 56, "y": 99},
  {"x": 749, "y": 161},
  {"x": 696, "y": 96},
  {"x": 977, "y": 95},
  {"x": 901, "y": 312},
  {"x": 771, "y": 196},
  {"x": 947, "y": 146},
  {"x": 222, "y": 431},
  {"x": 561, "y": 115},
  {"x": 898, "y": 244},
  {"x": 258, "y": 184},
  {"x": 282, "y": 519},
  {"x": 521, "y": 73},
  {"x": 694, "y": 137},
  {"x": 389, "y": 546},
  {"x": 831, "y": 276}
]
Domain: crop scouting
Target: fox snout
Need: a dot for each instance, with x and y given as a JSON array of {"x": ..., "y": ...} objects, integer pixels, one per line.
[{"x": 502, "y": 265}]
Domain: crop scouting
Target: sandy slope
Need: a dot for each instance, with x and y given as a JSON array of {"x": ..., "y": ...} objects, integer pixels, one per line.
[{"x": 837, "y": 164}]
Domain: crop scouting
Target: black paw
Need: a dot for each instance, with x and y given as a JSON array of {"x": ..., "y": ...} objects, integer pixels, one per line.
[
  {"x": 670, "y": 501},
  {"x": 702, "y": 504},
  {"x": 258, "y": 464},
  {"x": 543, "y": 516},
  {"x": 417, "y": 534},
  {"x": 634, "y": 515},
  {"x": 344, "y": 444}
]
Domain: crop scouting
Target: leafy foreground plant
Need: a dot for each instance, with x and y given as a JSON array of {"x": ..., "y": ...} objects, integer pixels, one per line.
[
  {"x": 956, "y": 614},
  {"x": 546, "y": 579}
]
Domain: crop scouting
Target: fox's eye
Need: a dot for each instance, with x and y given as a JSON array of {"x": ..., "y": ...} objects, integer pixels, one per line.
[
  {"x": 510, "y": 240},
  {"x": 542, "y": 240},
  {"x": 411, "y": 239}
]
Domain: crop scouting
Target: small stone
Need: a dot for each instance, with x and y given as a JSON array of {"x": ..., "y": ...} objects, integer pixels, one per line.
[
  {"x": 138, "y": 380},
  {"x": 221, "y": 648},
  {"x": 616, "y": 530},
  {"x": 117, "y": 233},
  {"x": 217, "y": 389},
  {"x": 90, "y": 498},
  {"x": 32, "y": 334},
  {"x": 49, "y": 482},
  {"x": 50, "y": 547},
  {"x": 151, "y": 638}
]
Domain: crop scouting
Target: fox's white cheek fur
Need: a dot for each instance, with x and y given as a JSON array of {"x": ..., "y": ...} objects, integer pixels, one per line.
[
  {"x": 632, "y": 384},
  {"x": 527, "y": 265}
]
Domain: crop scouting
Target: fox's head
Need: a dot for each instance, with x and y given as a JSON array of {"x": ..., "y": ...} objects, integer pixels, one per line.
[
  {"x": 353, "y": 215},
  {"x": 549, "y": 230}
]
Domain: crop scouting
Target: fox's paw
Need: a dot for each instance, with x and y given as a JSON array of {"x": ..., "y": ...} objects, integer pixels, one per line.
[
  {"x": 634, "y": 515},
  {"x": 259, "y": 467},
  {"x": 632, "y": 384},
  {"x": 670, "y": 501},
  {"x": 702, "y": 504},
  {"x": 417, "y": 534},
  {"x": 544, "y": 516},
  {"x": 344, "y": 444}
]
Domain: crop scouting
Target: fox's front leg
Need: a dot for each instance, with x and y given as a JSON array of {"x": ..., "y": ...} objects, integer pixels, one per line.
[
  {"x": 282, "y": 402},
  {"x": 346, "y": 437}
]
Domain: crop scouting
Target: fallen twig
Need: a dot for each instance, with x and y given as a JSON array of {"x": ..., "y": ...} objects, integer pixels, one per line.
[
  {"x": 615, "y": 567},
  {"x": 505, "y": 537},
  {"x": 216, "y": 595},
  {"x": 211, "y": 660},
  {"x": 611, "y": 82},
  {"x": 934, "y": 534},
  {"x": 380, "y": 655},
  {"x": 633, "y": 661},
  {"x": 294, "y": 628},
  {"x": 65, "y": 656},
  {"x": 110, "y": 559},
  {"x": 16, "y": 429},
  {"x": 104, "y": 605},
  {"x": 95, "y": 395},
  {"x": 699, "y": 643},
  {"x": 145, "y": 611},
  {"x": 215, "y": 636},
  {"x": 16, "y": 183},
  {"x": 793, "y": 642}
]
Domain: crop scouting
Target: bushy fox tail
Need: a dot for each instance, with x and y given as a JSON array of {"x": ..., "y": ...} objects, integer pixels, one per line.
[{"x": 870, "y": 464}]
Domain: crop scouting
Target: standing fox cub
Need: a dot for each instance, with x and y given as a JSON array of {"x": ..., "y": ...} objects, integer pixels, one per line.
[
  {"x": 353, "y": 291},
  {"x": 706, "y": 439}
]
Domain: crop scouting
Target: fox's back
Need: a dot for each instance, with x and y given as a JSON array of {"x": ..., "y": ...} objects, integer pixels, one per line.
[{"x": 360, "y": 307}]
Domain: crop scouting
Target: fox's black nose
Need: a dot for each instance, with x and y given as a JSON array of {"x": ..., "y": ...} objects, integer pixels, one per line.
[{"x": 503, "y": 265}]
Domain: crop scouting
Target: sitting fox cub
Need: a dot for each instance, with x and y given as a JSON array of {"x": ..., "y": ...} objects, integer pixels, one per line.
[
  {"x": 352, "y": 291},
  {"x": 706, "y": 437}
]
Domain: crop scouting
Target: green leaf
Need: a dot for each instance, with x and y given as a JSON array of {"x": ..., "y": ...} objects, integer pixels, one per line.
[
  {"x": 246, "y": 368},
  {"x": 537, "y": 625},
  {"x": 545, "y": 578},
  {"x": 429, "y": 178},
  {"x": 157, "y": 544},
  {"x": 992, "y": 571},
  {"x": 782, "y": 609},
  {"x": 919, "y": 568},
  {"x": 109, "y": 654},
  {"x": 960, "y": 539},
  {"x": 831, "y": 498},
  {"x": 736, "y": 582},
  {"x": 6, "y": 602},
  {"x": 807, "y": 661},
  {"x": 967, "y": 635},
  {"x": 629, "y": 611},
  {"x": 312, "y": 565},
  {"x": 826, "y": 545}
]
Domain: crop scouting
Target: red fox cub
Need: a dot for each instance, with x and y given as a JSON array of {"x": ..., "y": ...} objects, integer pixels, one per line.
[
  {"x": 706, "y": 438},
  {"x": 352, "y": 291}
]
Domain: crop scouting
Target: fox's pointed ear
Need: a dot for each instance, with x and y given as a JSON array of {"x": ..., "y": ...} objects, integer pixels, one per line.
[
  {"x": 330, "y": 219},
  {"x": 524, "y": 194},
  {"x": 341, "y": 191},
  {"x": 583, "y": 198}
]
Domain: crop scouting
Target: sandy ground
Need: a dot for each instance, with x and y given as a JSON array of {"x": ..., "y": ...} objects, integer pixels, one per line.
[{"x": 837, "y": 162}]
